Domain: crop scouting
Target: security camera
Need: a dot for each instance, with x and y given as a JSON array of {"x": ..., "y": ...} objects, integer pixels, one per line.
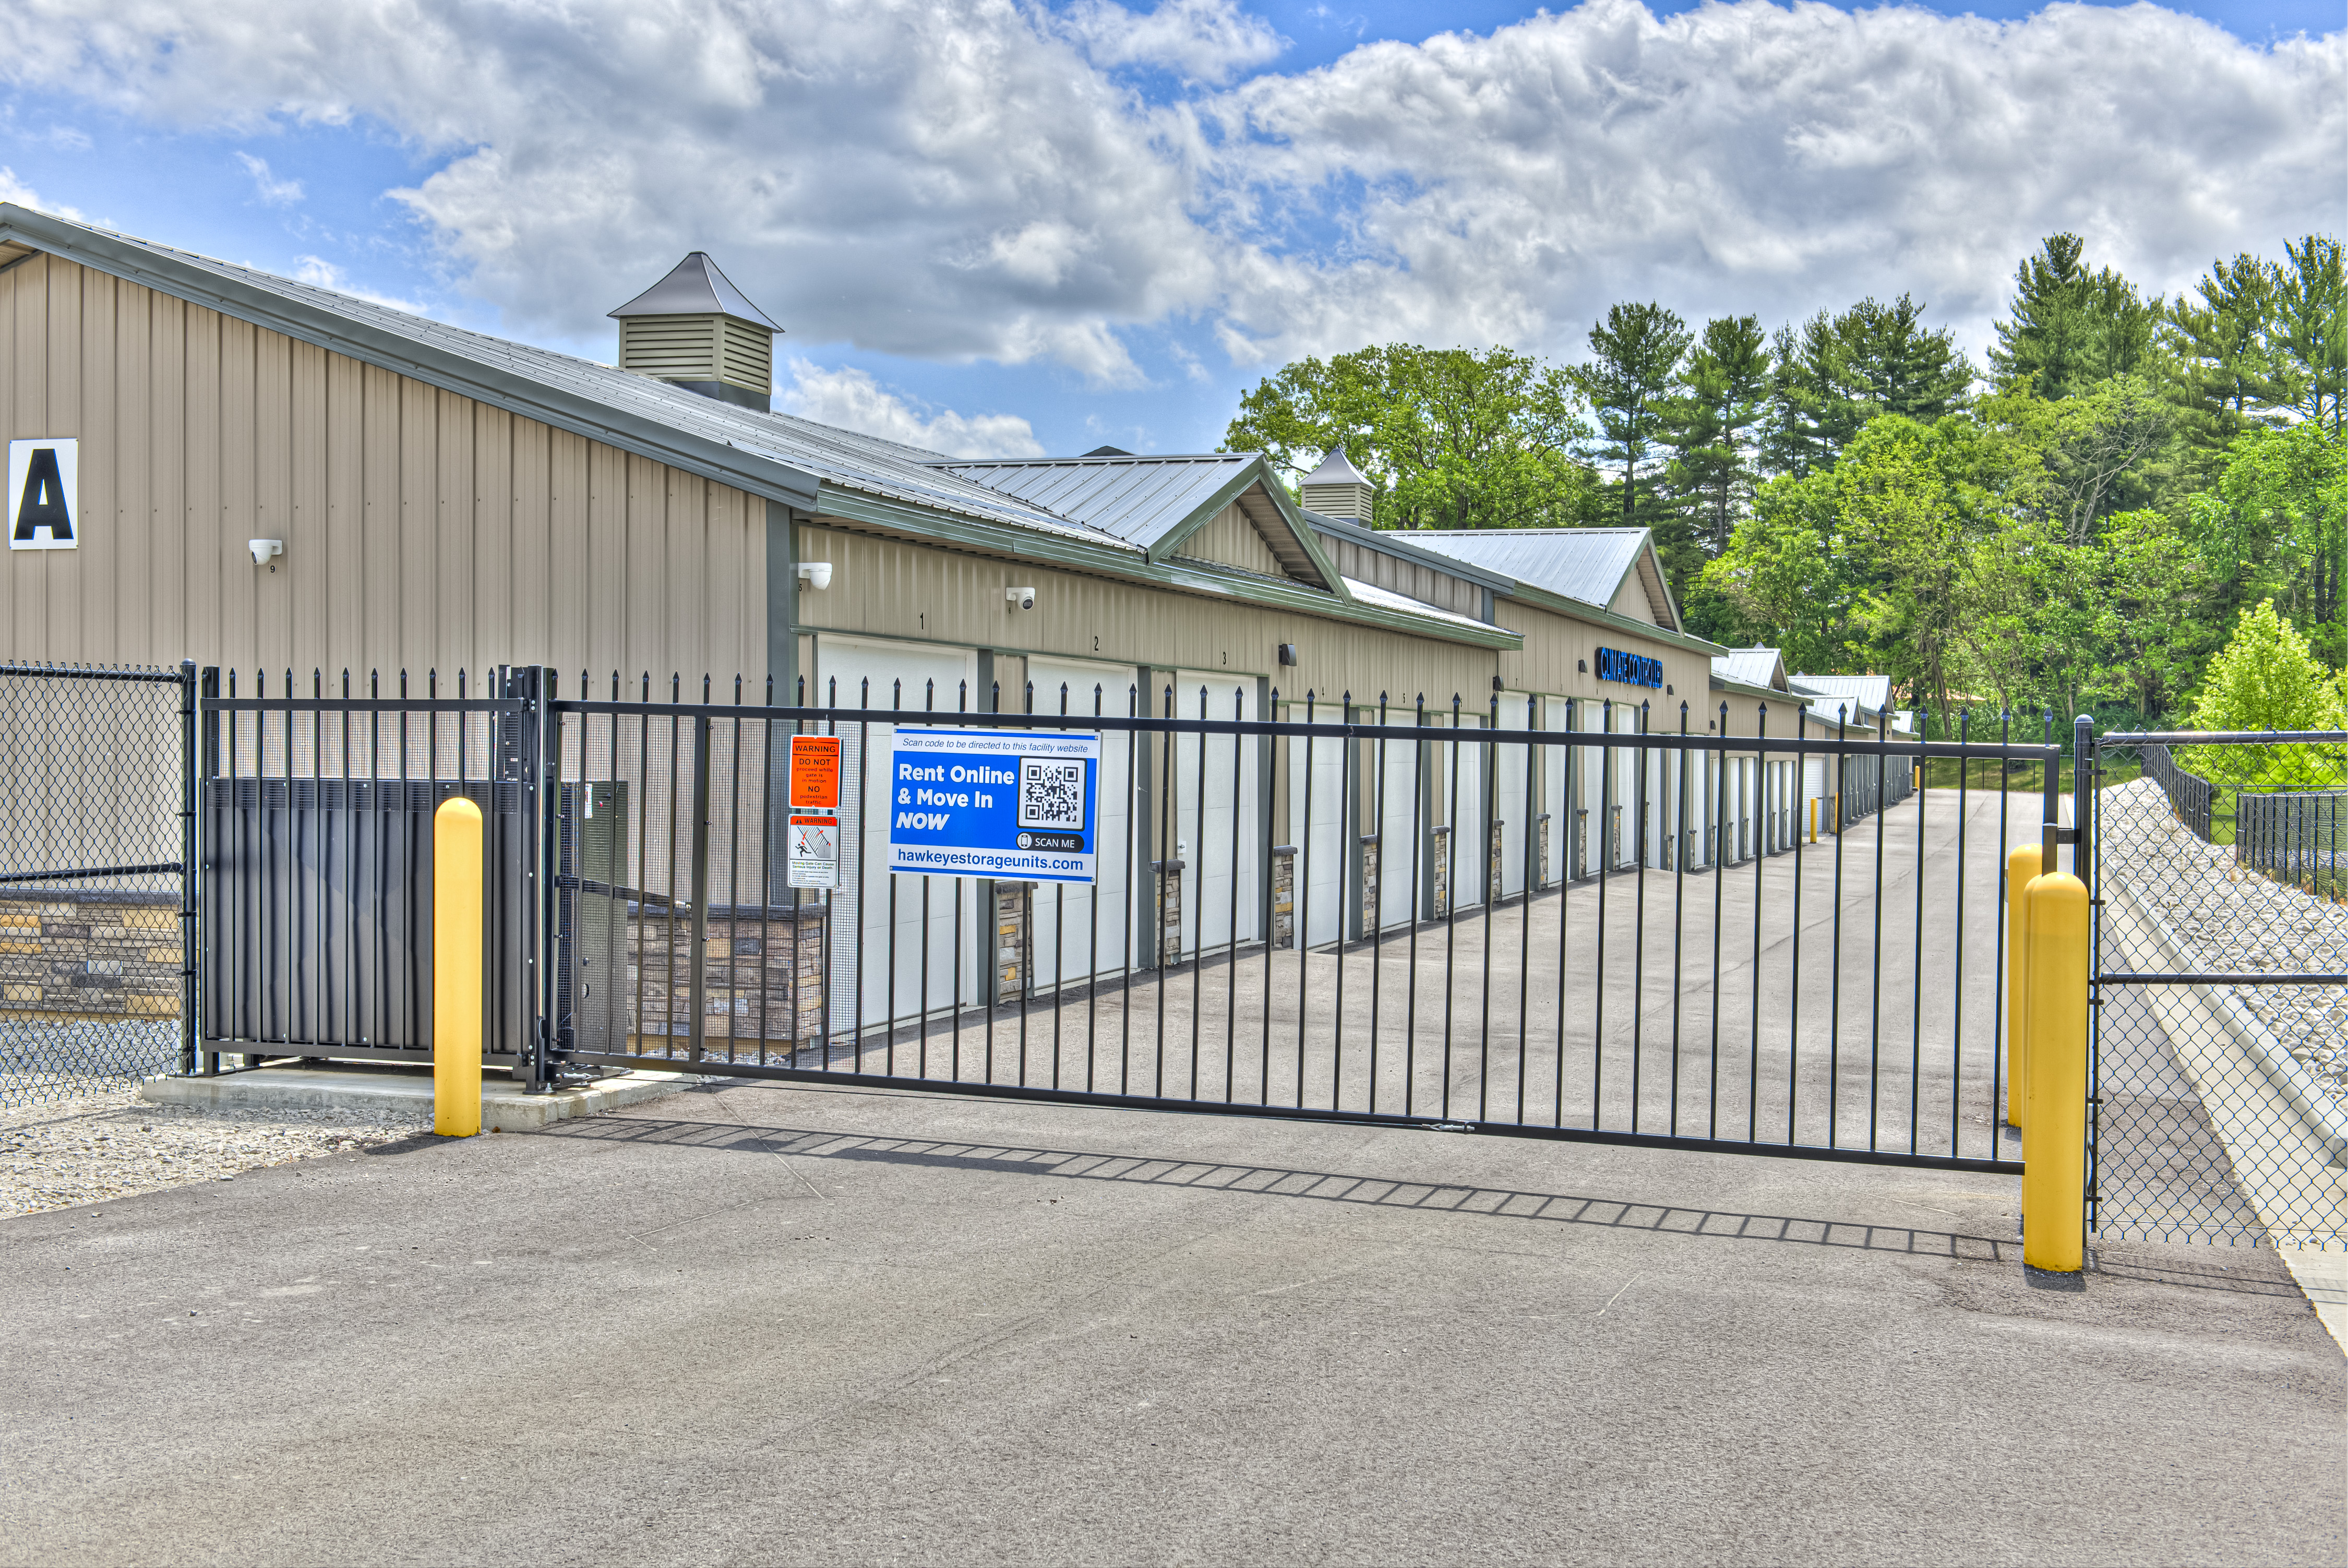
[
  {"x": 816, "y": 574},
  {"x": 1019, "y": 598},
  {"x": 264, "y": 549}
]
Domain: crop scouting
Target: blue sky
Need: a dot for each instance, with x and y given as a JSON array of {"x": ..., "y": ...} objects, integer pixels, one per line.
[{"x": 1207, "y": 199}]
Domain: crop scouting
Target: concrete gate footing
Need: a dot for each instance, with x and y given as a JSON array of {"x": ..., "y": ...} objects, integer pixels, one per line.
[{"x": 404, "y": 1091}]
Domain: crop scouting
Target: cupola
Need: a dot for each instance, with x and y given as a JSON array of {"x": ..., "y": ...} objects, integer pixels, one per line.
[
  {"x": 693, "y": 329},
  {"x": 1336, "y": 489}
]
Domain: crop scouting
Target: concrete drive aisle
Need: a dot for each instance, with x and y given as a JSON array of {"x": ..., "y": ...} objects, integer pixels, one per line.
[{"x": 767, "y": 1325}]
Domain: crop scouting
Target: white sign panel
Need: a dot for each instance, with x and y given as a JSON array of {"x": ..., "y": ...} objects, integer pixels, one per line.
[
  {"x": 1015, "y": 804},
  {"x": 812, "y": 858},
  {"x": 44, "y": 494}
]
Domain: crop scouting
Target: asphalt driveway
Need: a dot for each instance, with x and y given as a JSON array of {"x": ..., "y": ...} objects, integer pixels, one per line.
[{"x": 761, "y": 1324}]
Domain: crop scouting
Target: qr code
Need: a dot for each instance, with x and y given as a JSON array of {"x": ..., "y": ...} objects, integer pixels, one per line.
[{"x": 1051, "y": 793}]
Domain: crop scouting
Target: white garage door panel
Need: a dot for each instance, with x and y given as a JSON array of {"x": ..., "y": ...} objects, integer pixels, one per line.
[
  {"x": 1083, "y": 930},
  {"x": 864, "y": 904}
]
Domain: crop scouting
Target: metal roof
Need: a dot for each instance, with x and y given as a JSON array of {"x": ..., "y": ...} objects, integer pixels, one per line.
[
  {"x": 1138, "y": 500},
  {"x": 1584, "y": 563},
  {"x": 1371, "y": 593},
  {"x": 1334, "y": 470},
  {"x": 1872, "y": 693},
  {"x": 694, "y": 287},
  {"x": 773, "y": 454},
  {"x": 1396, "y": 542},
  {"x": 1751, "y": 666}
]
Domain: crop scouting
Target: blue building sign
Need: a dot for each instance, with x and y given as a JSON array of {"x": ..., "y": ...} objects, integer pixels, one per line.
[
  {"x": 1631, "y": 669},
  {"x": 1020, "y": 805}
]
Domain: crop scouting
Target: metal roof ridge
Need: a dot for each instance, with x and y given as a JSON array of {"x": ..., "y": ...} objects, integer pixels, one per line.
[{"x": 1128, "y": 459}]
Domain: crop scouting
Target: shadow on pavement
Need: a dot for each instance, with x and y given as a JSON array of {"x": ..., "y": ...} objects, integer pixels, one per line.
[{"x": 1378, "y": 1191}]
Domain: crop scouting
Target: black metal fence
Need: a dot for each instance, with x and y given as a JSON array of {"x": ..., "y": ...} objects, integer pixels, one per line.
[
  {"x": 1554, "y": 922},
  {"x": 96, "y": 931},
  {"x": 2219, "y": 1098},
  {"x": 2297, "y": 836},
  {"x": 2189, "y": 796},
  {"x": 316, "y": 829}
]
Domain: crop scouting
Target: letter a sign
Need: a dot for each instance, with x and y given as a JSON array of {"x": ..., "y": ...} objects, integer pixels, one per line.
[{"x": 44, "y": 509}]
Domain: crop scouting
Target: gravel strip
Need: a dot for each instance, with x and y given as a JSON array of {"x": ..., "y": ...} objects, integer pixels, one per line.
[
  {"x": 2231, "y": 919},
  {"x": 111, "y": 1143}
]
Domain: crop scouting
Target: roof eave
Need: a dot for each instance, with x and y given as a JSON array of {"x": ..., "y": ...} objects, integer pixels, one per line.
[
  {"x": 1130, "y": 564},
  {"x": 1582, "y": 610},
  {"x": 713, "y": 459},
  {"x": 1386, "y": 542}
]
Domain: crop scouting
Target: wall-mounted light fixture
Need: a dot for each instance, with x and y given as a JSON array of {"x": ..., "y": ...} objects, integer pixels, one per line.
[
  {"x": 1288, "y": 653},
  {"x": 1667, "y": 688},
  {"x": 816, "y": 574},
  {"x": 264, "y": 550},
  {"x": 1019, "y": 598},
  {"x": 1581, "y": 665}
]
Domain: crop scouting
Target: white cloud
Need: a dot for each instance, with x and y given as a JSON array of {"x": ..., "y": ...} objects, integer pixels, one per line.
[
  {"x": 1198, "y": 40},
  {"x": 963, "y": 178},
  {"x": 324, "y": 274},
  {"x": 852, "y": 399},
  {"x": 16, "y": 193},
  {"x": 276, "y": 192}
]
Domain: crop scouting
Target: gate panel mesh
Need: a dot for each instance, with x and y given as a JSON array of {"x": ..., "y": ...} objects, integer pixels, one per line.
[
  {"x": 2220, "y": 1097},
  {"x": 91, "y": 961}
]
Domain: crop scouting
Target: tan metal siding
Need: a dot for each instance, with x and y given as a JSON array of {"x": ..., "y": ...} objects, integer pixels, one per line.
[
  {"x": 1395, "y": 575},
  {"x": 1557, "y": 647},
  {"x": 892, "y": 588},
  {"x": 422, "y": 530},
  {"x": 1230, "y": 539}
]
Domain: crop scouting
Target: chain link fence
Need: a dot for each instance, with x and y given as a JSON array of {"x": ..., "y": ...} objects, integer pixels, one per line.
[
  {"x": 2219, "y": 1101},
  {"x": 94, "y": 957}
]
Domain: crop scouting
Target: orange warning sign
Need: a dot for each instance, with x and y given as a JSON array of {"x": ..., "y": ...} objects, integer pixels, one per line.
[{"x": 815, "y": 771}]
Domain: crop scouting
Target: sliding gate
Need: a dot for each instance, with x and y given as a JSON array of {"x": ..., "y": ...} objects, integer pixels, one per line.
[
  {"x": 1563, "y": 921},
  {"x": 1545, "y": 918}
]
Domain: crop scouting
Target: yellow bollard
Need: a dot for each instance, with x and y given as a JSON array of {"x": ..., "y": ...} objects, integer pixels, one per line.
[
  {"x": 2020, "y": 865},
  {"x": 2054, "y": 1136},
  {"x": 1814, "y": 819},
  {"x": 458, "y": 874}
]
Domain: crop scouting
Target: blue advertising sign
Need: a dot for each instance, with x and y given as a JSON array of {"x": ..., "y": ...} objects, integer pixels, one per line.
[
  {"x": 1020, "y": 805},
  {"x": 1632, "y": 669}
]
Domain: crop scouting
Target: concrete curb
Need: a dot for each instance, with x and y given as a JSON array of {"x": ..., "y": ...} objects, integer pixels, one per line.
[{"x": 504, "y": 1107}]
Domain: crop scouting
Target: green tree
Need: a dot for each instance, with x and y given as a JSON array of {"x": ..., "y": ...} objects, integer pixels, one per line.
[
  {"x": 1709, "y": 425},
  {"x": 1452, "y": 437},
  {"x": 2276, "y": 526},
  {"x": 2070, "y": 328},
  {"x": 1781, "y": 581},
  {"x": 2309, "y": 331},
  {"x": 1636, "y": 352},
  {"x": 2150, "y": 584},
  {"x": 2224, "y": 373},
  {"x": 2266, "y": 678},
  {"x": 2079, "y": 459},
  {"x": 1836, "y": 372}
]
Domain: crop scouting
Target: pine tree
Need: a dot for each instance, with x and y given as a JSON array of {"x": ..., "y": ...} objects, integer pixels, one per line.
[
  {"x": 2224, "y": 371},
  {"x": 2308, "y": 336},
  {"x": 2072, "y": 329},
  {"x": 1837, "y": 372},
  {"x": 1709, "y": 425},
  {"x": 1638, "y": 348}
]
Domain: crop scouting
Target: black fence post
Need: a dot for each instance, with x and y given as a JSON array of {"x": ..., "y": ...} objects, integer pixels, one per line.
[
  {"x": 188, "y": 868},
  {"x": 207, "y": 759},
  {"x": 698, "y": 943}
]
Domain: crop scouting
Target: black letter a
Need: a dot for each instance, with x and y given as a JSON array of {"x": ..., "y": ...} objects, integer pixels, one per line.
[{"x": 42, "y": 504}]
